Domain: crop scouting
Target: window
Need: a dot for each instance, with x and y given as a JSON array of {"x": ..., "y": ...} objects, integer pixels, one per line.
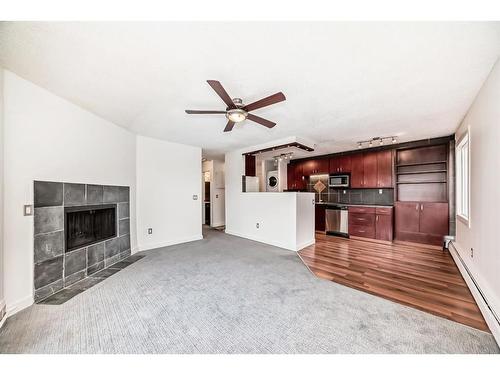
[{"x": 463, "y": 173}]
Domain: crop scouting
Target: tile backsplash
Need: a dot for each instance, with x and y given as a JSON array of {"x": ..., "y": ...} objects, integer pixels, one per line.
[{"x": 350, "y": 196}]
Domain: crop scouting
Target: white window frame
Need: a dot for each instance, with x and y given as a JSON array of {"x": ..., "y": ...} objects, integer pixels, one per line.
[{"x": 462, "y": 156}]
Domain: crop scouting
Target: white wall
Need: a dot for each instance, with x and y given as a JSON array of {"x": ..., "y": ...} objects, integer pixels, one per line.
[
  {"x": 275, "y": 212},
  {"x": 48, "y": 138},
  {"x": 168, "y": 175},
  {"x": 2, "y": 300},
  {"x": 483, "y": 119}
]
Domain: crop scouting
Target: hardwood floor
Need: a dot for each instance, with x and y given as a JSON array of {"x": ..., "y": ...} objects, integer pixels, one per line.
[{"x": 417, "y": 276}]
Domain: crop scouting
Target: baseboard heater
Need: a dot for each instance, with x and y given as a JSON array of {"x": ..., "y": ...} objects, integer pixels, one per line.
[{"x": 483, "y": 297}]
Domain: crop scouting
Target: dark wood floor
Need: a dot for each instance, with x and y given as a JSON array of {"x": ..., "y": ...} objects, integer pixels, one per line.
[{"x": 421, "y": 277}]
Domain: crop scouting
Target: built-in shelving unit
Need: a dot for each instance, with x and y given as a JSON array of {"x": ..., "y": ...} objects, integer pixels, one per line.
[{"x": 422, "y": 174}]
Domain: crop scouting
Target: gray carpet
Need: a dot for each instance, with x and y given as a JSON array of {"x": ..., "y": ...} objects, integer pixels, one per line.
[{"x": 225, "y": 294}]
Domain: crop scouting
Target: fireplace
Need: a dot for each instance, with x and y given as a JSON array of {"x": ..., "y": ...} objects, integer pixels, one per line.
[{"x": 87, "y": 225}]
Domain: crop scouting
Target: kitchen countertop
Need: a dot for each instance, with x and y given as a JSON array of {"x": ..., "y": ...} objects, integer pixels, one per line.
[{"x": 353, "y": 205}]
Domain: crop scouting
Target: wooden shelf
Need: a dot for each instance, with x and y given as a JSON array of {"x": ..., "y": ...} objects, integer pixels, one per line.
[
  {"x": 422, "y": 172},
  {"x": 421, "y": 182},
  {"x": 422, "y": 163}
]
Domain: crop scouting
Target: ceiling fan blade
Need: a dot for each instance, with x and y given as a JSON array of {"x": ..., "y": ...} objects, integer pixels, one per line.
[
  {"x": 229, "y": 126},
  {"x": 260, "y": 120},
  {"x": 202, "y": 112},
  {"x": 216, "y": 85},
  {"x": 273, "y": 99}
]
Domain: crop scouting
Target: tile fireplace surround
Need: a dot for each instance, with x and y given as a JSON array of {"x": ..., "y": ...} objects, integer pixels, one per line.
[{"x": 55, "y": 269}]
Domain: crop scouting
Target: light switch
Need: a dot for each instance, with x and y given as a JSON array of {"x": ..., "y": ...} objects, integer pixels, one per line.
[{"x": 28, "y": 210}]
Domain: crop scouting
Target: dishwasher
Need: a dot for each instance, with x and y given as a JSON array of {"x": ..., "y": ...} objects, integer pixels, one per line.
[{"x": 336, "y": 220}]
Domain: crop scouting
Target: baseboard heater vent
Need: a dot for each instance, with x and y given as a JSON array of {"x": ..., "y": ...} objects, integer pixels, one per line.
[{"x": 483, "y": 297}]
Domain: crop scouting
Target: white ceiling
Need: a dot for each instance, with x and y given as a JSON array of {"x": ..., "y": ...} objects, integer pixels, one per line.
[{"x": 344, "y": 82}]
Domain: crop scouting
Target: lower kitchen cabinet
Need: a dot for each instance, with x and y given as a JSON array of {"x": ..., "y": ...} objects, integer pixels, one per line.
[
  {"x": 319, "y": 211},
  {"x": 423, "y": 222},
  {"x": 371, "y": 222}
]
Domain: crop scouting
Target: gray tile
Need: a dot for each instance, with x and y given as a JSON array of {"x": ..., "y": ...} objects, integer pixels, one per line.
[
  {"x": 47, "y": 290},
  {"x": 124, "y": 242},
  {"x": 48, "y": 245},
  {"x": 48, "y": 219},
  {"x": 75, "y": 261},
  {"x": 94, "y": 268},
  {"x": 120, "y": 265},
  {"x": 111, "y": 194},
  {"x": 125, "y": 254},
  {"x": 124, "y": 227},
  {"x": 77, "y": 276},
  {"x": 106, "y": 272},
  {"x": 123, "y": 210},
  {"x": 87, "y": 283},
  {"x": 60, "y": 297},
  {"x": 114, "y": 259},
  {"x": 95, "y": 253},
  {"x": 124, "y": 194},
  {"x": 48, "y": 194},
  {"x": 111, "y": 247},
  {"x": 48, "y": 271},
  {"x": 74, "y": 194},
  {"x": 94, "y": 194}
]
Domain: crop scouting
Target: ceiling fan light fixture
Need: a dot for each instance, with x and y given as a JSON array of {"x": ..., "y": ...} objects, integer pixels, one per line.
[{"x": 236, "y": 115}]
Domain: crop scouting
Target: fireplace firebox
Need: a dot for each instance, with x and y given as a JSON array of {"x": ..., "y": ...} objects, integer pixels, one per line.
[{"x": 87, "y": 225}]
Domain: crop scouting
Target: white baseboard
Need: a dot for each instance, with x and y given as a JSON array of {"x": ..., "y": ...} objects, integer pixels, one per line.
[
  {"x": 488, "y": 315},
  {"x": 3, "y": 309},
  {"x": 169, "y": 243},
  {"x": 305, "y": 244},
  {"x": 218, "y": 224},
  {"x": 20, "y": 304},
  {"x": 257, "y": 239}
]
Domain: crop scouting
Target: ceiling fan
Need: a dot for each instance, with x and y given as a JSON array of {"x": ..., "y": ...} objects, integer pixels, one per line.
[{"x": 236, "y": 111}]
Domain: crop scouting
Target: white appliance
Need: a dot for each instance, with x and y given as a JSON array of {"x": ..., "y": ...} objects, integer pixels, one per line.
[
  {"x": 272, "y": 181},
  {"x": 250, "y": 184}
]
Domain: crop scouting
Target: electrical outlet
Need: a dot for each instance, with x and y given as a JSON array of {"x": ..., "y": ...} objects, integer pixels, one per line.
[
  {"x": 257, "y": 225},
  {"x": 471, "y": 252},
  {"x": 150, "y": 230},
  {"x": 380, "y": 191}
]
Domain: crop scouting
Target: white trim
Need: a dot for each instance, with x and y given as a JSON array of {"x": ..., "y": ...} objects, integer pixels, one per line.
[
  {"x": 257, "y": 239},
  {"x": 19, "y": 305},
  {"x": 168, "y": 243},
  {"x": 3, "y": 318},
  {"x": 488, "y": 315},
  {"x": 305, "y": 244}
]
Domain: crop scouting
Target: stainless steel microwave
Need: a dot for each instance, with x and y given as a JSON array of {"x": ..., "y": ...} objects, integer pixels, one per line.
[{"x": 339, "y": 180}]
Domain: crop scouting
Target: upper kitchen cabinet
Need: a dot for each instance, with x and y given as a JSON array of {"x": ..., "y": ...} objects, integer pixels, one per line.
[
  {"x": 357, "y": 170},
  {"x": 295, "y": 176},
  {"x": 340, "y": 164},
  {"x": 384, "y": 169},
  {"x": 316, "y": 166},
  {"x": 370, "y": 170}
]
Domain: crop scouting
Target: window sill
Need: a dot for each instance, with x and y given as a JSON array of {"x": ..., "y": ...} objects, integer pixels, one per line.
[{"x": 464, "y": 220}]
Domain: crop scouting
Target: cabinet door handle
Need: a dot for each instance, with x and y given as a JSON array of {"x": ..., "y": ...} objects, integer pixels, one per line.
[
  {"x": 416, "y": 207},
  {"x": 377, "y": 217},
  {"x": 421, "y": 207}
]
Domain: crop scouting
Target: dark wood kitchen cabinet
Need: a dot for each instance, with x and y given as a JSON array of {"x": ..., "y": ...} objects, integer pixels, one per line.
[
  {"x": 295, "y": 177},
  {"x": 340, "y": 164},
  {"x": 384, "y": 169},
  {"x": 384, "y": 224},
  {"x": 422, "y": 222},
  {"x": 357, "y": 170},
  {"x": 370, "y": 170},
  {"x": 316, "y": 166},
  {"x": 371, "y": 222},
  {"x": 319, "y": 211}
]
